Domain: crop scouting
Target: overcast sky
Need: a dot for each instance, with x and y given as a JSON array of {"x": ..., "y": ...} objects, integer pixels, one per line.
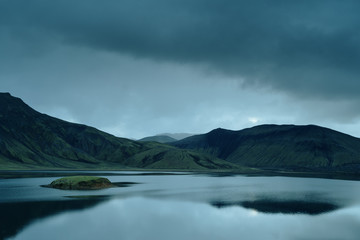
[{"x": 139, "y": 68}]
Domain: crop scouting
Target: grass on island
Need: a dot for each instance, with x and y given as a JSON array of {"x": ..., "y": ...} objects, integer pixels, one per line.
[{"x": 81, "y": 183}]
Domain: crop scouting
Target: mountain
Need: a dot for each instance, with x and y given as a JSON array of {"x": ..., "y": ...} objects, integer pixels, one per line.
[
  {"x": 166, "y": 137},
  {"x": 158, "y": 138},
  {"x": 177, "y": 136},
  {"x": 281, "y": 147},
  {"x": 31, "y": 140}
]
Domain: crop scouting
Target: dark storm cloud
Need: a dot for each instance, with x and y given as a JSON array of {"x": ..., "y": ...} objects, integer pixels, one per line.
[{"x": 306, "y": 48}]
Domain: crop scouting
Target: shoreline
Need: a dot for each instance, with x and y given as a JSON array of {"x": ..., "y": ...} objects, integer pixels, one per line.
[{"x": 11, "y": 174}]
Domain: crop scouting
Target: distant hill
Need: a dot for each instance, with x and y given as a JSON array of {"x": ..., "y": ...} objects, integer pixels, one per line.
[
  {"x": 166, "y": 137},
  {"x": 158, "y": 138},
  {"x": 178, "y": 136},
  {"x": 31, "y": 140},
  {"x": 286, "y": 147}
]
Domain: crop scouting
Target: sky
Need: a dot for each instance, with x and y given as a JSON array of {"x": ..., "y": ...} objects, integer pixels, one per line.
[{"x": 145, "y": 67}]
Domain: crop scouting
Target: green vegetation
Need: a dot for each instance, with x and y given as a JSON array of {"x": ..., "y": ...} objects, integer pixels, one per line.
[
  {"x": 81, "y": 183},
  {"x": 281, "y": 148},
  {"x": 30, "y": 140},
  {"x": 159, "y": 156}
]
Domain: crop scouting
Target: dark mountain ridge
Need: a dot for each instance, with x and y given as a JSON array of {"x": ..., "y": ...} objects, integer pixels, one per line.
[
  {"x": 288, "y": 147},
  {"x": 29, "y": 139}
]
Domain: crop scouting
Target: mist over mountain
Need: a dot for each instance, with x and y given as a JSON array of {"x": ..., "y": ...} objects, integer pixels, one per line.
[
  {"x": 166, "y": 137},
  {"x": 158, "y": 138},
  {"x": 177, "y": 136},
  {"x": 288, "y": 147}
]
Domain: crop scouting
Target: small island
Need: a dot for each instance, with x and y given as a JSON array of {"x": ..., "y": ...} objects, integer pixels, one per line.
[{"x": 81, "y": 183}]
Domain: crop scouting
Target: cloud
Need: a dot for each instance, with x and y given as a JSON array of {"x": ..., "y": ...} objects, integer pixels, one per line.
[
  {"x": 137, "y": 68},
  {"x": 304, "y": 48}
]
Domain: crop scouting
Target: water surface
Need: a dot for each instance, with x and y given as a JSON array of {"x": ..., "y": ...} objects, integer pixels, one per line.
[{"x": 184, "y": 206}]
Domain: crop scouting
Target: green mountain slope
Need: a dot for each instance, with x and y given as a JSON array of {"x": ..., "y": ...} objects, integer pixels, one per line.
[
  {"x": 31, "y": 140},
  {"x": 167, "y": 157},
  {"x": 289, "y": 147}
]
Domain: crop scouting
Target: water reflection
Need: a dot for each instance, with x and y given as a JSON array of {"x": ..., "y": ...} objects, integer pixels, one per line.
[
  {"x": 177, "y": 207},
  {"x": 285, "y": 207},
  {"x": 15, "y": 216},
  {"x": 143, "y": 218}
]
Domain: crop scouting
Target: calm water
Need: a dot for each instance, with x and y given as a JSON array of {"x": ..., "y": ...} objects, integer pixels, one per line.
[{"x": 183, "y": 206}]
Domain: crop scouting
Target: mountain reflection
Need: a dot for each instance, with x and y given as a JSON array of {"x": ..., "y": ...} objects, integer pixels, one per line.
[
  {"x": 17, "y": 215},
  {"x": 285, "y": 207},
  {"x": 147, "y": 218}
]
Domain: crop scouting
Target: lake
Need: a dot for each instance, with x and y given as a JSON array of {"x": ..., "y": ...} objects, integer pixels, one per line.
[{"x": 182, "y": 206}]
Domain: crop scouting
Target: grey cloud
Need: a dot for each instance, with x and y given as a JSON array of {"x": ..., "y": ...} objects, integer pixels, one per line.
[
  {"x": 305, "y": 48},
  {"x": 138, "y": 68}
]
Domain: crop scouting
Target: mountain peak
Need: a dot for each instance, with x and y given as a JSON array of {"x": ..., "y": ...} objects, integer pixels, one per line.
[
  {"x": 219, "y": 130},
  {"x": 5, "y": 94},
  {"x": 31, "y": 140},
  {"x": 10, "y": 106},
  {"x": 6, "y": 97},
  {"x": 290, "y": 147}
]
